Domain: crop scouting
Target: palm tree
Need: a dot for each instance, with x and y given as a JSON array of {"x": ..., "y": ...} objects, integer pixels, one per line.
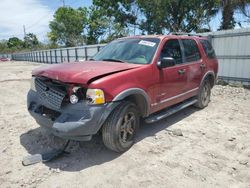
[{"x": 228, "y": 9}]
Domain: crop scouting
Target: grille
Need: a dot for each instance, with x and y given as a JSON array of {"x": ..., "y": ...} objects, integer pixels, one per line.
[{"x": 51, "y": 95}]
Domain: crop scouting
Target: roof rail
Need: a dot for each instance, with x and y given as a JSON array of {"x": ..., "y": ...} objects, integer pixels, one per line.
[{"x": 183, "y": 33}]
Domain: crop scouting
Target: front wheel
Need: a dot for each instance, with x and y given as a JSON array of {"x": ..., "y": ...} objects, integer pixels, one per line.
[
  {"x": 204, "y": 95},
  {"x": 119, "y": 130}
]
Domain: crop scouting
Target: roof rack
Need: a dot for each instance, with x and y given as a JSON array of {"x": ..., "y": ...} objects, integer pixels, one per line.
[{"x": 183, "y": 33}]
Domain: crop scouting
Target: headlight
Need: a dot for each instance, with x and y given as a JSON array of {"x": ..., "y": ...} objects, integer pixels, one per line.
[
  {"x": 32, "y": 84},
  {"x": 95, "y": 96}
]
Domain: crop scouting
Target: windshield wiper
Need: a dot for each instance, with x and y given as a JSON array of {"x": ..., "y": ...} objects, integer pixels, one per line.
[{"x": 115, "y": 60}]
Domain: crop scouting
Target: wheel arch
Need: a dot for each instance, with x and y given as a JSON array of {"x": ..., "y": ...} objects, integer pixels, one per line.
[
  {"x": 210, "y": 76},
  {"x": 139, "y": 97}
]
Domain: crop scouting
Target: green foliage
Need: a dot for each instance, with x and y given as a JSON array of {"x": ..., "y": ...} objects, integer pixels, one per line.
[
  {"x": 15, "y": 42},
  {"x": 228, "y": 21},
  {"x": 3, "y": 46},
  {"x": 97, "y": 24},
  {"x": 180, "y": 15},
  {"x": 107, "y": 20},
  {"x": 67, "y": 26},
  {"x": 120, "y": 10},
  {"x": 228, "y": 9},
  {"x": 30, "y": 41},
  {"x": 116, "y": 17}
]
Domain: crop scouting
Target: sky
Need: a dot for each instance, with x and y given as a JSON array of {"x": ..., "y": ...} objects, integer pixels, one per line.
[{"x": 36, "y": 14}]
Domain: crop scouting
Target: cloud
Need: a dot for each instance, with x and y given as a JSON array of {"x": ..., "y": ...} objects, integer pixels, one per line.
[{"x": 31, "y": 13}]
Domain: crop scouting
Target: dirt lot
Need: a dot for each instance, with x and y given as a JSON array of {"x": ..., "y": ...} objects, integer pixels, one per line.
[{"x": 214, "y": 150}]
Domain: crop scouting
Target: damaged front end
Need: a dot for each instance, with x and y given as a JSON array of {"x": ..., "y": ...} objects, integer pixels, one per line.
[{"x": 66, "y": 109}]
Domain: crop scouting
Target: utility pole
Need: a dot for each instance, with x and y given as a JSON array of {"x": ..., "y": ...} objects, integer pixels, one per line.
[
  {"x": 63, "y": 2},
  {"x": 24, "y": 31}
]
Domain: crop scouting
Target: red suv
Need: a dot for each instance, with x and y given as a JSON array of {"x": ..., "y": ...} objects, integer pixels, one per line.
[{"x": 149, "y": 77}]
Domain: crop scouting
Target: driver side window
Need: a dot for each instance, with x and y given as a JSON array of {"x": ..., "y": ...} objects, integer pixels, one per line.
[{"x": 172, "y": 49}]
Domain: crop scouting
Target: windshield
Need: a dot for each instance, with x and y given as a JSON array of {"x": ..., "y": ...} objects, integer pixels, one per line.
[{"x": 139, "y": 51}]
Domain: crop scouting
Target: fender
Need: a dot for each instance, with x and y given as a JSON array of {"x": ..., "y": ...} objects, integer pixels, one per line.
[{"x": 145, "y": 107}]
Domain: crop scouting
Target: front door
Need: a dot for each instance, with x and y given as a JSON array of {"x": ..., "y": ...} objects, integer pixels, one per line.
[{"x": 172, "y": 80}]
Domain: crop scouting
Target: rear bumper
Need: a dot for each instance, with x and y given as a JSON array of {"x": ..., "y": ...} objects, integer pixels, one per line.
[{"x": 73, "y": 121}]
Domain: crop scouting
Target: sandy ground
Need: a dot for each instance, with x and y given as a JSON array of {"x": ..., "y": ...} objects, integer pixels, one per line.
[{"x": 214, "y": 150}]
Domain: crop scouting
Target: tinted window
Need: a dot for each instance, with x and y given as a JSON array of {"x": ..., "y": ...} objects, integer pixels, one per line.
[
  {"x": 208, "y": 49},
  {"x": 172, "y": 49},
  {"x": 191, "y": 50}
]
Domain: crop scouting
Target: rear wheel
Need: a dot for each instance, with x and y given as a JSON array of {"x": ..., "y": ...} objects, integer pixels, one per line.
[
  {"x": 204, "y": 95},
  {"x": 119, "y": 130}
]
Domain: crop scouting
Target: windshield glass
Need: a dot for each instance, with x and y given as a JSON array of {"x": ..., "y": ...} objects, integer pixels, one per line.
[{"x": 139, "y": 51}]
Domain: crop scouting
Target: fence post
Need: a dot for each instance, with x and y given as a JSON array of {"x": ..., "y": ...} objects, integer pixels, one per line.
[
  {"x": 43, "y": 55},
  {"x": 40, "y": 57},
  {"x": 55, "y": 57},
  {"x": 86, "y": 53},
  {"x": 33, "y": 59},
  {"x": 46, "y": 57},
  {"x": 50, "y": 53},
  {"x": 61, "y": 55},
  {"x": 68, "y": 54},
  {"x": 76, "y": 54}
]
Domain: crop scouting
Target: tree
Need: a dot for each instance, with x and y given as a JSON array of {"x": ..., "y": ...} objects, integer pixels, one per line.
[
  {"x": 229, "y": 7},
  {"x": 15, "y": 42},
  {"x": 228, "y": 21},
  {"x": 118, "y": 16},
  {"x": 67, "y": 26},
  {"x": 97, "y": 24},
  {"x": 30, "y": 41},
  {"x": 244, "y": 7},
  {"x": 120, "y": 10},
  {"x": 3, "y": 46},
  {"x": 176, "y": 15}
]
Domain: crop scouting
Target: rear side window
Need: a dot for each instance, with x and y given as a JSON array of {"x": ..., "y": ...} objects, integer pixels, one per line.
[
  {"x": 208, "y": 49},
  {"x": 191, "y": 50}
]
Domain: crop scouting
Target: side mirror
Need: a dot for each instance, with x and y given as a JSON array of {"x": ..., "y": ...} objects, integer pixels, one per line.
[{"x": 166, "y": 62}]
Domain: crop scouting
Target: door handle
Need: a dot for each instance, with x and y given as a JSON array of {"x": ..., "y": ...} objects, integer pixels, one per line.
[
  {"x": 202, "y": 66},
  {"x": 181, "y": 71}
]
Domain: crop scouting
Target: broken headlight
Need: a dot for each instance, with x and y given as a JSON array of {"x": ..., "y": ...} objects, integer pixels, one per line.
[{"x": 95, "y": 96}]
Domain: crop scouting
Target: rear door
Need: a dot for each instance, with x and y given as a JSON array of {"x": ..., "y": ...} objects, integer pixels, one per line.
[{"x": 196, "y": 66}]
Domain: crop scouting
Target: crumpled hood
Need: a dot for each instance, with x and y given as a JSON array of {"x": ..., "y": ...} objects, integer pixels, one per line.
[{"x": 81, "y": 72}]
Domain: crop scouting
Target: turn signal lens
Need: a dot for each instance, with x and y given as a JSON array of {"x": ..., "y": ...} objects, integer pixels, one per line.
[{"x": 95, "y": 96}]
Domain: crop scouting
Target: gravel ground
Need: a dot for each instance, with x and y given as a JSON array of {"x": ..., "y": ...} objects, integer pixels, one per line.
[{"x": 212, "y": 151}]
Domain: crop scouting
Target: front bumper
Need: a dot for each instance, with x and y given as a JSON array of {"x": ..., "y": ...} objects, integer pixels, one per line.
[{"x": 72, "y": 121}]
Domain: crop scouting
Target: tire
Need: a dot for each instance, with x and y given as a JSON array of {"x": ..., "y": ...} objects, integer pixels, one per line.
[
  {"x": 204, "y": 95},
  {"x": 119, "y": 130}
]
